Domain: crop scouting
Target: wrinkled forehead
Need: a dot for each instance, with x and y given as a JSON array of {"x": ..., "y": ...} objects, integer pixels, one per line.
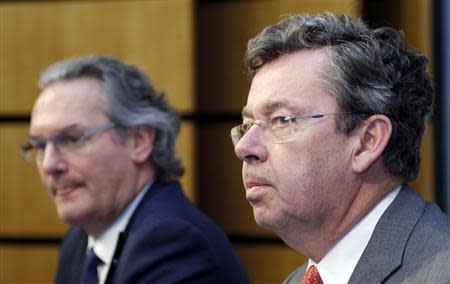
[
  {"x": 293, "y": 82},
  {"x": 274, "y": 104},
  {"x": 63, "y": 103}
]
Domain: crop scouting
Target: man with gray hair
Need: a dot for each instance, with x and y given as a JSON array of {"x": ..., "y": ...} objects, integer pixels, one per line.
[
  {"x": 330, "y": 138},
  {"x": 103, "y": 141}
]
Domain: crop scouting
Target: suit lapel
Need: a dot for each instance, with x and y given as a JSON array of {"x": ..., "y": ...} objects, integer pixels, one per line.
[
  {"x": 79, "y": 258},
  {"x": 385, "y": 249},
  {"x": 123, "y": 235},
  {"x": 72, "y": 255},
  {"x": 115, "y": 259},
  {"x": 151, "y": 192}
]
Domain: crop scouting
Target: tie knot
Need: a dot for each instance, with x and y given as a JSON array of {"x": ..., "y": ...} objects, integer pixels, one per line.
[
  {"x": 312, "y": 276},
  {"x": 93, "y": 258}
]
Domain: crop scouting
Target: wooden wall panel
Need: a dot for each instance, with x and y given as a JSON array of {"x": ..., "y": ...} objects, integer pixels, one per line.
[
  {"x": 415, "y": 19},
  {"x": 224, "y": 28},
  {"x": 27, "y": 264},
  {"x": 425, "y": 182},
  {"x": 156, "y": 35},
  {"x": 268, "y": 263},
  {"x": 187, "y": 152}
]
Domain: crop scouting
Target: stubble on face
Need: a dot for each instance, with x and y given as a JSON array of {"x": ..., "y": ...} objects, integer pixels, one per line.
[{"x": 300, "y": 179}]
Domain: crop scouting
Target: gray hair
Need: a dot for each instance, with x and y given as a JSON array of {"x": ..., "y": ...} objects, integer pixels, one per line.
[
  {"x": 371, "y": 71},
  {"x": 130, "y": 101}
]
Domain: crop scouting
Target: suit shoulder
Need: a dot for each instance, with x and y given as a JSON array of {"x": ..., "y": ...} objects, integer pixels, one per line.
[
  {"x": 71, "y": 256},
  {"x": 168, "y": 227}
]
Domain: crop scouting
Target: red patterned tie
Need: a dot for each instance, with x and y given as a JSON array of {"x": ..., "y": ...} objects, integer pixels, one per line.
[{"x": 312, "y": 276}]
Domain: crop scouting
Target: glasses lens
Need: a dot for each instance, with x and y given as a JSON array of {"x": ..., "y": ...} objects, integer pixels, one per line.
[
  {"x": 236, "y": 134},
  {"x": 29, "y": 152}
]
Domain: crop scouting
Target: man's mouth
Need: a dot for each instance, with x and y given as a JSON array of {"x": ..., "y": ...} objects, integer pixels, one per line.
[
  {"x": 254, "y": 190},
  {"x": 65, "y": 190},
  {"x": 251, "y": 184}
]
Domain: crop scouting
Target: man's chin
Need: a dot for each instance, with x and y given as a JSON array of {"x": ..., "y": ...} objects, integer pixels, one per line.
[
  {"x": 69, "y": 216},
  {"x": 262, "y": 218}
]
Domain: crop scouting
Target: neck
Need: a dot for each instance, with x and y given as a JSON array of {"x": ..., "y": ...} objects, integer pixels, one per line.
[
  {"x": 97, "y": 227},
  {"x": 315, "y": 242}
]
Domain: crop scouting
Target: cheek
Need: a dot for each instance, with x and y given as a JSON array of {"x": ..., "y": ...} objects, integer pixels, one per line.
[
  {"x": 290, "y": 164},
  {"x": 300, "y": 170},
  {"x": 120, "y": 170},
  {"x": 100, "y": 169},
  {"x": 106, "y": 170},
  {"x": 45, "y": 179}
]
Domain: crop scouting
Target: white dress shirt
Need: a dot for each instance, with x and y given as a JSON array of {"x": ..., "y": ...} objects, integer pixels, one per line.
[
  {"x": 105, "y": 245},
  {"x": 338, "y": 264}
]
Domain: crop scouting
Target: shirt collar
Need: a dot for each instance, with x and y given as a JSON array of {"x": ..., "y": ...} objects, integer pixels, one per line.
[
  {"x": 337, "y": 266},
  {"x": 104, "y": 246}
]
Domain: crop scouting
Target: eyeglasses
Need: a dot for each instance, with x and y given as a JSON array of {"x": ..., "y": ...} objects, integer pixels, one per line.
[
  {"x": 278, "y": 129},
  {"x": 66, "y": 141}
]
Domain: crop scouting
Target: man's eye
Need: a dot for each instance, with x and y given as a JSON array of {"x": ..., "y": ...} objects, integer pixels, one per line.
[
  {"x": 38, "y": 144},
  {"x": 246, "y": 126},
  {"x": 282, "y": 120},
  {"x": 70, "y": 140}
]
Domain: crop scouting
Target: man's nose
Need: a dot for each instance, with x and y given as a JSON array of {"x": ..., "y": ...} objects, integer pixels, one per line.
[
  {"x": 251, "y": 147},
  {"x": 51, "y": 160}
]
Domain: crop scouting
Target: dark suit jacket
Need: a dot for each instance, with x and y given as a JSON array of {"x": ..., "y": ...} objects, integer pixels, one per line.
[
  {"x": 167, "y": 240},
  {"x": 410, "y": 244}
]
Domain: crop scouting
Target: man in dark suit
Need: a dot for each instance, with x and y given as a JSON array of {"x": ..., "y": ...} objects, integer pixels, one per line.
[
  {"x": 331, "y": 136},
  {"x": 104, "y": 143}
]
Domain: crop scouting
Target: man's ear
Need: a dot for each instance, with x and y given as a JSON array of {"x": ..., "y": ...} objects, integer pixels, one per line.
[
  {"x": 372, "y": 138},
  {"x": 143, "y": 139}
]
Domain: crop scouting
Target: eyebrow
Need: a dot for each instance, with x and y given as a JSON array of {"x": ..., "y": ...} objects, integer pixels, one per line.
[
  {"x": 63, "y": 130},
  {"x": 273, "y": 105},
  {"x": 245, "y": 112}
]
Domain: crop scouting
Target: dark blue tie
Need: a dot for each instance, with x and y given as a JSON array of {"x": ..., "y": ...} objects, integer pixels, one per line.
[{"x": 90, "y": 268}]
